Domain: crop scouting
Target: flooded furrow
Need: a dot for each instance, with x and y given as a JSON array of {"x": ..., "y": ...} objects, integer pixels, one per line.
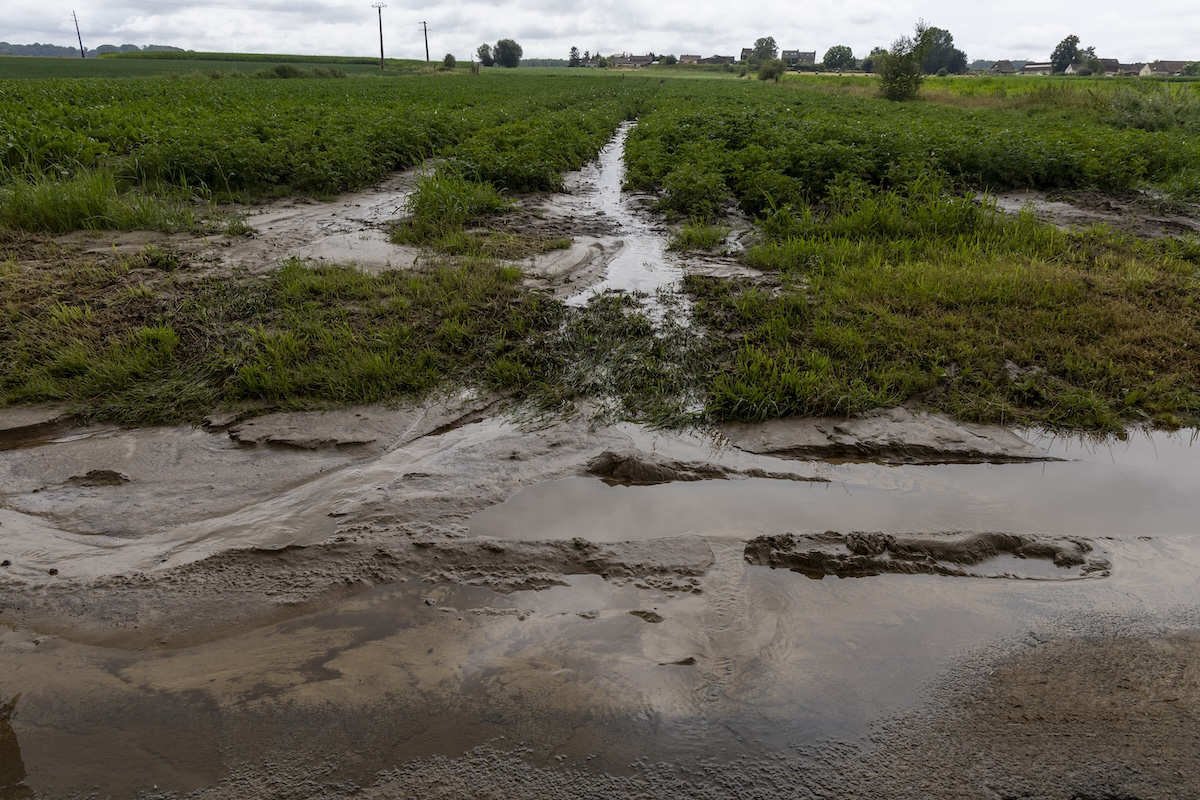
[{"x": 639, "y": 261}]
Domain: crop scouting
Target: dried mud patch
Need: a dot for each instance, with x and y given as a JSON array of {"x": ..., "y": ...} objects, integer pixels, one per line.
[
  {"x": 957, "y": 554},
  {"x": 1130, "y": 212}
]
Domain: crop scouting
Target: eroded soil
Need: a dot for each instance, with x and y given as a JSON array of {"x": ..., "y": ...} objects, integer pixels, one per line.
[{"x": 448, "y": 601}]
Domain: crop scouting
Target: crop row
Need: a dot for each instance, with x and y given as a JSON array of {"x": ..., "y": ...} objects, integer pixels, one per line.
[
  {"x": 708, "y": 143},
  {"x": 319, "y": 136}
]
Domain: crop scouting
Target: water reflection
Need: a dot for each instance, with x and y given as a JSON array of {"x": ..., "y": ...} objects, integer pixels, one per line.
[{"x": 12, "y": 768}]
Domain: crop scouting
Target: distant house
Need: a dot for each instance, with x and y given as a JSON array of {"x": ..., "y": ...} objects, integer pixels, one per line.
[
  {"x": 1003, "y": 68},
  {"x": 1111, "y": 66},
  {"x": 717, "y": 60},
  {"x": 794, "y": 57},
  {"x": 1131, "y": 69},
  {"x": 746, "y": 53},
  {"x": 1167, "y": 67},
  {"x": 1037, "y": 69},
  {"x": 687, "y": 59},
  {"x": 631, "y": 61}
]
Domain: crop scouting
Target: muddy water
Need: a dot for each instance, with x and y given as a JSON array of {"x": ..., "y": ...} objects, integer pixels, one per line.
[
  {"x": 1125, "y": 490},
  {"x": 639, "y": 261},
  {"x": 351, "y": 230},
  {"x": 593, "y": 673}
]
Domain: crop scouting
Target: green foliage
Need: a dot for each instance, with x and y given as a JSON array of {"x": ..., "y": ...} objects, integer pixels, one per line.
[
  {"x": 445, "y": 200},
  {"x": 1155, "y": 108},
  {"x": 900, "y": 72},
  {"x": 838, "y": 58},
  {"x": 237, "y": 137},
  {"x": 292, "y": 71},
  {"x": 765, "y": 49},
  {"x": 449, "y": 61},
  {"x": 900, "y": 294},
  {"x": 1065, "y": 54},
  {"x": 308, "y": 336},
  {"x": 938, "y": 53},
  {"x": 771, "y": 70},
  {"x": 484, "y": 54},
  {"x": 507, "y": 53},
  {"x": 90, "y": 199}
]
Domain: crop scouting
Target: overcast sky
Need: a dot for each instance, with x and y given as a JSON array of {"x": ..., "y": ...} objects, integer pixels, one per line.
[{"x": 1025, "y": 29}]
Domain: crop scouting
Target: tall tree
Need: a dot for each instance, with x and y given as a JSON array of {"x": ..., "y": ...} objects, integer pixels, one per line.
[
  {"x": 507, "y": 53},
  {"x": 839, "y": 57},
  {"x": 1066, "y": 54},
  {"x": 938, "y": 52},
  {"x": 868, "y": 63},
  {"x": 764, "y": 50},
  {"x": 484, "y": 53},
  {"x": 573, "y": 57}
]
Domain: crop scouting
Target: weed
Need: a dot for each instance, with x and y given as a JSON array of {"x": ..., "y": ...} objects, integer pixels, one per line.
[
  {"x": 699, "y": 236},
  {"x": 442, "y": 203}
]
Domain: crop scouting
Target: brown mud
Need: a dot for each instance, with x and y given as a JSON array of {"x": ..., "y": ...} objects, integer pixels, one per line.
[
  {"x": 445, "y": 601},
  {"x": 864, "y": 554},
  {"x": 1131, "y": 213}
]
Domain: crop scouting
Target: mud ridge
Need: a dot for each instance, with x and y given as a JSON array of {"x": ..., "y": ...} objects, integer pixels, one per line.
[
  {"x": 635, "y": 468},
  {"x": 243, "y": 589},
  {"x": 858, "y": 554},
  {"x": 894, "y": 436}
]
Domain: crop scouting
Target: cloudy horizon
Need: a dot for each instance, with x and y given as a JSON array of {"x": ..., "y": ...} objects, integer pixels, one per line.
[{"x": 1019, "y": 29}]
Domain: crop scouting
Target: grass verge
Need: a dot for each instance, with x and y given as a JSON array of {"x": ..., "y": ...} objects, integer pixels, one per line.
[
  {"x": 91, "y": 199},
  {"x": 912, "y": 295}
]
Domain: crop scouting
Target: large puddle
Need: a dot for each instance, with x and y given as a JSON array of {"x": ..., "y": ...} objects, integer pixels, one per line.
[
  {"x": 596, "y": 673},
  {"x": 1142, "y": 487}
]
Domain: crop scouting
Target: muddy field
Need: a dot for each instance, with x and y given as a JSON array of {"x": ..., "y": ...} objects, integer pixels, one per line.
[{"x": 455, "y": 601}]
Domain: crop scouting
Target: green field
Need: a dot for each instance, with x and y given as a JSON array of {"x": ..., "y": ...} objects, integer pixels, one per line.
[
  {"x": 214, "y": 63},
  {"x": 885, "y": 279}
]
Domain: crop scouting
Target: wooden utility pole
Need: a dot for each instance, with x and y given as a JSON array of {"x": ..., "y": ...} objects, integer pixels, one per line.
[
  {"x": 82, "y": 52},
  {"x": 380, "y": 7},
  {"x": 425, "y": 27}
]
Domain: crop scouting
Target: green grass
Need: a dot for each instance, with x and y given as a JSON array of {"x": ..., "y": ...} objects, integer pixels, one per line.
[
  {"x": 143, "y": 340},
  {"x": 884, "y": 279},
  {"x": 903, "y": 296},
  {"x": 699, "y": 236},
  {"x": 444, "y": 201},
  {"x": 91, "y": 199}
]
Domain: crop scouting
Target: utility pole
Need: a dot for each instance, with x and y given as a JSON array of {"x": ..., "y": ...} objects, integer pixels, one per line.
[
  {"x": 380, "y": 7},
  {"x": 425, "y": 27},
  {"x": 82, "y": 52}
]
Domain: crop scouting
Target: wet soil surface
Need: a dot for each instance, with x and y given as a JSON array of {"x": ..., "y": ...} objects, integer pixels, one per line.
[
  {"x": 438, "y": 602},
  {"x": 1131, "y": 213},
  {"x": 444, "y": 601}
]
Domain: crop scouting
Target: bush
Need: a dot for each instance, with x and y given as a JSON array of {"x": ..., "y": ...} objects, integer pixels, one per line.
[
  {"x": 448, "y": 62},
  {"x": 771, "y": 70},
  {"x": 900, "y": 74}
]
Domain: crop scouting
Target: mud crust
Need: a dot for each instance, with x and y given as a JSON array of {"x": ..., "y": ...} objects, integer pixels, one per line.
[
  {"x": 858, "y": 554},
  {"x": 634, "y": 468},
  {"x": 892, "y": 435}
]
